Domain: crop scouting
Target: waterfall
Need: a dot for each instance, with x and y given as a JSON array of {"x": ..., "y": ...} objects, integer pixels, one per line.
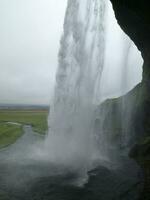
[
  {"x": 74, "y": 137},
  {"x": 81, "y": 61}
]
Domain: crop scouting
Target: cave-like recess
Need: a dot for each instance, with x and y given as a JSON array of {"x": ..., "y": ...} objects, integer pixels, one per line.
[{"x": 134, "y": 18}]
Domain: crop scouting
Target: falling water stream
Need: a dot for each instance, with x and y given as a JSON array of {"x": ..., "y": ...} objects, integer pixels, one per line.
[
  {"x": 83, "y": 55},
  {"x": 81, "y": 60},
  {"x": 76, "y": 160}
]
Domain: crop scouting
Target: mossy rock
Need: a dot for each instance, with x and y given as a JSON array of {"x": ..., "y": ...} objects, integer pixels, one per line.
[{"x": 141, "y": 151}]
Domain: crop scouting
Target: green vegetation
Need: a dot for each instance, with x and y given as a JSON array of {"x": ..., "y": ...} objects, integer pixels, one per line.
[
  {"x": 36, "y": 118},
  {"x": 9, "y": 133}
]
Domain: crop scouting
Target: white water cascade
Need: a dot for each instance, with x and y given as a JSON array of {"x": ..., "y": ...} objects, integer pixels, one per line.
[{"x": 88, "y": 67}]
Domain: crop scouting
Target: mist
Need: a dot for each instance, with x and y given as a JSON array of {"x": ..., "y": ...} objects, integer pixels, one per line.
[
  {"x": 30, "y": 33},
  {"x": 97, "y": 61},
  {"x": 84, "y": 152}
]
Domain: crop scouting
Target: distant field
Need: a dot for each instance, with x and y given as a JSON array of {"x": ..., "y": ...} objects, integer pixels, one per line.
[
  {"x": 10, "y": 132},
  {"x": 36, "y": 118}
]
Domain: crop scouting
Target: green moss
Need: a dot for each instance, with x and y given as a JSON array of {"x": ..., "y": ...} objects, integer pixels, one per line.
[
  {"x": 3, "y": 196},
  {"x": 145, "y": 141}
]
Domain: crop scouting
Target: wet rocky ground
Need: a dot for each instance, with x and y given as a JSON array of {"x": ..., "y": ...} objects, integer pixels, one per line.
[{"x": 22, "y": 177}]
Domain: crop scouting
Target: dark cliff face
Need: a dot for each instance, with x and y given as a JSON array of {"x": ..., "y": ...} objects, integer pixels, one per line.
[{"x": 134, "y": 18}]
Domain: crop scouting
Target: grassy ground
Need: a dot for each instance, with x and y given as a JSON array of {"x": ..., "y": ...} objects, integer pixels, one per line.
[
  {"x": 36, "y": 118},
  {"x": 10, "y": 132}
]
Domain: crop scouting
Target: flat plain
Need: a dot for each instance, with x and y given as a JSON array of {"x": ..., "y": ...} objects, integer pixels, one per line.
[{"x": 12, "y": 121}]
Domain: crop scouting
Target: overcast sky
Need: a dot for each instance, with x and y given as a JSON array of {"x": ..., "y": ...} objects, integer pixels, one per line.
[{"x": 30, "y": 32}]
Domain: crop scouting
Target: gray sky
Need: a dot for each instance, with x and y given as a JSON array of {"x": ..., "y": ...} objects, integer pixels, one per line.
[{"x": 30, "y": 31}]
